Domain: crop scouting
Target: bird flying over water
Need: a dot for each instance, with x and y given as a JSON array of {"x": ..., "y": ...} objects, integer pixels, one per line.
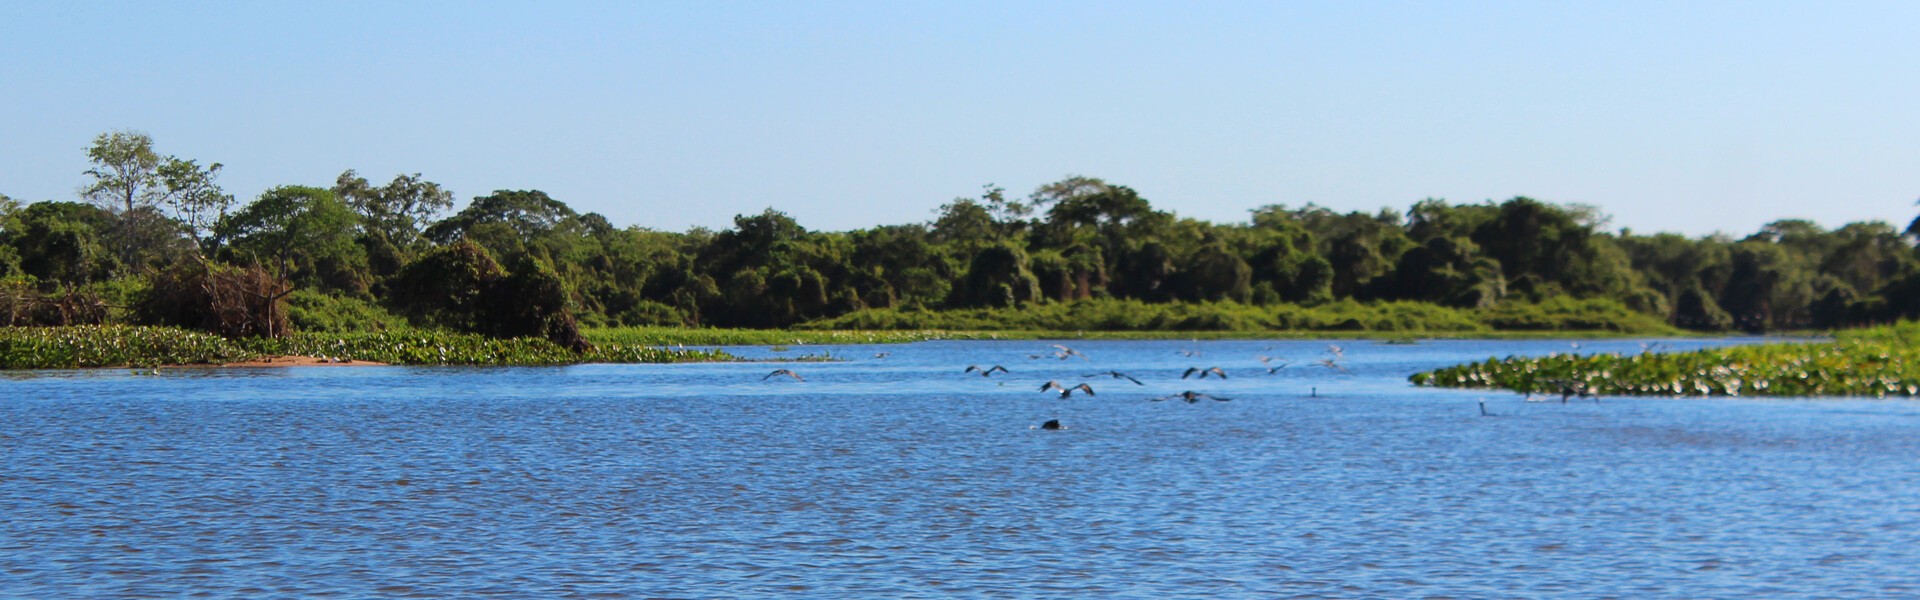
[
  {"x": 1117, "y": 375},
  {"x": 1204, "y": 372},
  {"x": 1064, "y": 352},
  {"x": 987, "y": 372},
  {"x": 1268, "y": 361},
  {"x": 1066, "y": 391},
  {"x": 1191, "y": 397},
  {"x": 1332, "y": 363},
  {"x": 786, "y": 372}
]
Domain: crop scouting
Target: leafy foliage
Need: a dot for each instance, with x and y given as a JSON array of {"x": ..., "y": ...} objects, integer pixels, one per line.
[{"x": 1879, "y": 362}]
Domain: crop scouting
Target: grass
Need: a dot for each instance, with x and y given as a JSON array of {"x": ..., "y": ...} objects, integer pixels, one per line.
[
  {"x": 125, "y": 345},
  {"x": 1878, "y": 362},
  {"x": 1347, "y": 318}
]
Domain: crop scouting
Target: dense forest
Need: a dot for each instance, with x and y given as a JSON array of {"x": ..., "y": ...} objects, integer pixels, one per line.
[{"x": 154, "y": 239}]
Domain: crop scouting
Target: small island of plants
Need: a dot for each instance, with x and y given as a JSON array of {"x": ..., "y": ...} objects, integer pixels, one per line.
[{"x": 1878, "y": 362}]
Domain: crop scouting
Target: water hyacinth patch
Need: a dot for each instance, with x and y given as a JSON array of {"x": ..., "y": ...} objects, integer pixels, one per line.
[
  {"x": 121, "y": 345},
  {"x": 1877, "y": 362}
]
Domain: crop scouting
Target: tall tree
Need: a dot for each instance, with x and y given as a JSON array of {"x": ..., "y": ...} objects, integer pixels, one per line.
[
  {"x": 304, "y": 232},
  {"x": 398, "y": 211}
]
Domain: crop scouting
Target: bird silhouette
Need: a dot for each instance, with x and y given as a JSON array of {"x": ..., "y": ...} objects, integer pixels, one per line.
[
  {"x": 882, "y": 354},
  {"x": 1066, "y": 391},
  {"x": 1191, "y": 397},
  {"x": 1053, "y": 425},
  {"x": 1065, "y": 353},
  {"x": 1117, "y": 375},
  {"x": 987, "y": 372},
  {"x": 1336, "y": 351},
  {"x": 1332, "y": 363},
  {"x": 785, "y": 372},
  {"x": 1204, "y": 372}
]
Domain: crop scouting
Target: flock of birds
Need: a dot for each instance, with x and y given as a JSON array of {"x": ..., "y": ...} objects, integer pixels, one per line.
[{"x": 1271, "y": 365}]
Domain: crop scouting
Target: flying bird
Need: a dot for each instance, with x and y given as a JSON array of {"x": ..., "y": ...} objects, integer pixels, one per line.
[
  {"x": 1117, "y": 375},
  {"x": 1268, "y": 361},
  {"x": 1191, "y": 397},
  {"x": 1332, "y": 363},
  {"x": 786, "y": 372},
  {"x": 1336, "y": 351},
  {"x": 987, "y": 372},
  {"x": 1066, "y": 391},
  {"x": 1204, "y": 372},
  {"x": 1065, "y": 352}
]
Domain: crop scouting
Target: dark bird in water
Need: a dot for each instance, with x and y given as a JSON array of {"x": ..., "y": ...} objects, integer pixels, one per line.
[
  {"x": 1117, "y": 375},
  {"x": 1053, "y": 425},
  {"x": 785, "y": 372},
  {"x": 987, "y": 372},
  {"x": 1191, "y": 397},
  {"x": 882, "y": 354},
  {"x": 1066, "y": 391},
  {"x": 1204, "y": 372},
  {"x": 1570, "y": 388}
]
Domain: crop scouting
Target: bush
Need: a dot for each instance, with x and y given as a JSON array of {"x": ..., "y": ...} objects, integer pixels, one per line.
[
  {"x": 311, "y": 311},
  {"x": 229, "y": 301}
]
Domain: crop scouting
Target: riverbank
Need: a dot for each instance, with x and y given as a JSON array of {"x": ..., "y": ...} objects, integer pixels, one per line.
[
  {"x": 132, "y": 346},
  {"x": 91, "y": 346}
]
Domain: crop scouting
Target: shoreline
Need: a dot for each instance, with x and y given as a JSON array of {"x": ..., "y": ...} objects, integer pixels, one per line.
[{"x": 295, "y": 360}]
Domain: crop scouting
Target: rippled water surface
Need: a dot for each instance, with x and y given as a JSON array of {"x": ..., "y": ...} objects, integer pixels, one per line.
[{"x": 901, "y": 476}]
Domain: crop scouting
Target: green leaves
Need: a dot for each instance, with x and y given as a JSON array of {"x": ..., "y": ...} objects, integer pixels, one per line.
[
  {"x": 1879, "y": 362},
  {"x": 119, "y": 345}
]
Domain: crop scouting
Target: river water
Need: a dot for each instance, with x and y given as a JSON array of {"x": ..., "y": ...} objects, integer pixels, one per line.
[{"x": 902, "y": 476}]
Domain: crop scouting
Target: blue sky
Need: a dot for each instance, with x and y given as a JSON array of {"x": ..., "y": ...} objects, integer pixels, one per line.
[{"x": 1689, "y": 117}]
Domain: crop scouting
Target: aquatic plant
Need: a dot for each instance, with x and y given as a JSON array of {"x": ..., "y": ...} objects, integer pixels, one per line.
[
  {"x": 120, "y": 345},
  {"x": 1878, "y": 362},
  {"x": 111, "y": 345}
]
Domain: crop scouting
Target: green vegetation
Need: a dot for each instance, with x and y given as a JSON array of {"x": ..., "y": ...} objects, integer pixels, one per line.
[
  {"x": 1560, "y": 314},
  {"x": 156, "y": 241},
  {"x": 85, "y": 346},
  {"x": 685, "y": 336},
  {"x": 1880, "y": 361}
]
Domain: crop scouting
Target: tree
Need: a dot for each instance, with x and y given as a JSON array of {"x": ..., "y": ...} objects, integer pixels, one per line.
[
  {"x": 398, "y": 211},
  {"x": 138, "y": 184},
  {"x": 192, "y": 196},
  {"x": 304, "y": 231},
  {"x": 125, "y": 171}
]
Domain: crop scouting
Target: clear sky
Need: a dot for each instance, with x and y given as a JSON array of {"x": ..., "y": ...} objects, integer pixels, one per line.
[{"x": 1671, "y": 116}]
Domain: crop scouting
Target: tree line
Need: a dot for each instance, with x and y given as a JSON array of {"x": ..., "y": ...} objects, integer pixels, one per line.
[{"x": 152, "y": 234}]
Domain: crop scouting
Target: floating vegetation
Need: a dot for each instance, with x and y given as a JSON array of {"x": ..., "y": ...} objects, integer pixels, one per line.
[
  {"x": 122, "y": 345},
  {"x": 680, "y": 336},
  {"x": 82, "y": 346},
  {"x": 1878, "y": 362}
]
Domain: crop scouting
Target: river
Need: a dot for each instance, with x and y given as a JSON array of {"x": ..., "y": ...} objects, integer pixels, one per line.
[{"x": 898, "y": 475}]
